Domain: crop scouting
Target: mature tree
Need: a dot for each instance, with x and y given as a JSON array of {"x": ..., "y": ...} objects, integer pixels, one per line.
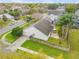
[
  {"x": 33, "y": 8},
  {"x": 29, "y": 18},
  {"x": 65, "y": 23},
  {"x": 52, "y": 6},
  {"x": 71, "y": 8},
  {"x": 37, "y": 8},
  {"x": 15, "y": 13},
  {"x": 17, "y": 31},
  {"x": 6, "y": 11},
  {"x": 5, "y": 18}
]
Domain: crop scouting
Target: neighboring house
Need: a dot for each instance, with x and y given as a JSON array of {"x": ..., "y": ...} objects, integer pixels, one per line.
[
  {"x": 52, "y": 17},
  {"x": 40, "y": 30},
  {"x": 8, "y": 16},
  {"x": 77, "y": 13},
  {"x": 2, "y": 8},
  {"x": 38, "y": 16},
  {"x": 62, "y": 8},
  {"x": 76, "y": 24},
  {"x": 24, "y": 10},
  {"x": 58, "y": 11}
]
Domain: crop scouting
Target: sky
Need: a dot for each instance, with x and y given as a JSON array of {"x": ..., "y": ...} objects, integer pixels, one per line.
[{"x": 39, "y": 1}]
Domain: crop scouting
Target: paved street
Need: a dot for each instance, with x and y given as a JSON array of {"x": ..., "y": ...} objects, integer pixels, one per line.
[{"x": 11, "y": 26}]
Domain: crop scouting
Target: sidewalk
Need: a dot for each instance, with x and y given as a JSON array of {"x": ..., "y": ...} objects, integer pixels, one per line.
[{"x": 17, "y": 43}]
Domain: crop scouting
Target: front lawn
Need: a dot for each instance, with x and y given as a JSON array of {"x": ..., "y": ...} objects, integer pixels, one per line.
[
  {"x": 10, "y": 38},
  {"x": 58, "y": 42},
  {"x": 44, "y": 49}
]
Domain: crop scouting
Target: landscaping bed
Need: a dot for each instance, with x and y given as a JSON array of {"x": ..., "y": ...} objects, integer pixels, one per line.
[
  {"x": 10, "y": 38},
  {"x": 44, "y": 49}
]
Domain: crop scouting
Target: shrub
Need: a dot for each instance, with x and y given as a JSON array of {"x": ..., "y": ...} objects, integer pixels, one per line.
[{"x": 17, "y": 31}]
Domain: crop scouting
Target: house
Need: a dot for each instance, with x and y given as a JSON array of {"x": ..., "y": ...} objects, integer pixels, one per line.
[
  {"x": 2, "y": 8},
  {"x": 38, "y": 16},
  {"x": 24, "y": 9},
  {"x": 55, "y": 12},
  {"x": 8, "y": 16},
  {"x": 40, "y": 30},
  {"x": 53, "y": 17},
  {"x": 76, "y": 24},
  {"x": 77, "y": 13},
  {"x": 58, "y": 11}
]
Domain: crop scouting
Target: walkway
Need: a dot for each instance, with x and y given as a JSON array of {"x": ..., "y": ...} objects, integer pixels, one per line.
[
  {"x": 3, "y": 40},
  {"x": 17, "y": 43},
  {"x": 55, "y": 35}
]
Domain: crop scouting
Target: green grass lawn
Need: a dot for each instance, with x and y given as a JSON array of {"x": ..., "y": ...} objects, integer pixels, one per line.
[
  {"x": 32, "y": 56},
  {"x": 74, "y": 42},
  {"x": 58, "y": 42},
  {"x": 44, "y": 49},
  {"x": 10, "y": 38},
  {"x": 74, "y": 39}
]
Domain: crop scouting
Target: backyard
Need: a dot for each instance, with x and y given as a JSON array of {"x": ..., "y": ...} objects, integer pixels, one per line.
[
  {"x": 58, "y": 42},
  {"x": 44, "y": 49},
  {"x": 73, "y": 38},
  {"x": 74, "y": 42}
]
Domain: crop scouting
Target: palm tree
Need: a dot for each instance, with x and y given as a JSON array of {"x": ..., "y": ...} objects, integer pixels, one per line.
[
  {"x": 65, "y": 22},
  {"x": 71, "y": 8}
]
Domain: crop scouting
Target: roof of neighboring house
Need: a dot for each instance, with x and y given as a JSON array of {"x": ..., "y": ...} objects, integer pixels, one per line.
[
  {"x": 44, "y": 26},
  {"x": 37, "y": 15},
  {"x": 52, "y": 17},
  {"x": 7, "y": 15},
  {"x": 20, "y": 7},
  {"x": 56, "y": 12},
  {"x": 2, "y": 7},
  {"x": 77, "y": 13}
]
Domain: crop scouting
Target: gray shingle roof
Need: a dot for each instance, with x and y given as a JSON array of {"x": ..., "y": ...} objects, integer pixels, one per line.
[{"x": 44, "y": 26}]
